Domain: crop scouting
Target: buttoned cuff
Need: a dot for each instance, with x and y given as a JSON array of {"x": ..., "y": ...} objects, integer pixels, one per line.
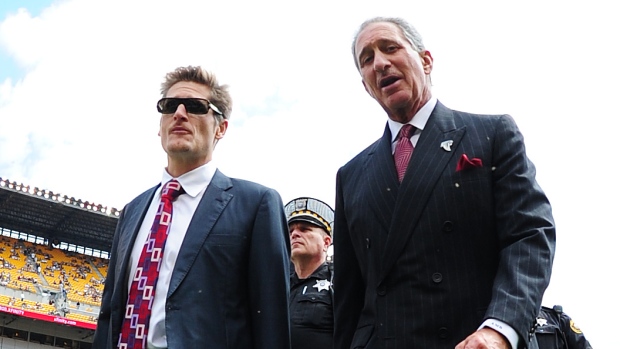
[{"x": 503, "y": 328}]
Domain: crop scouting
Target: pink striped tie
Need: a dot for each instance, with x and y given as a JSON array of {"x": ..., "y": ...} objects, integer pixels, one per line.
[{"x": 403, "y": 150}]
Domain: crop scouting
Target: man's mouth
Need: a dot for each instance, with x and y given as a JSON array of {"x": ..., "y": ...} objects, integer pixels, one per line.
[
  {"x": 387, "y": 81},
  {"x": 179, "y": 130}
]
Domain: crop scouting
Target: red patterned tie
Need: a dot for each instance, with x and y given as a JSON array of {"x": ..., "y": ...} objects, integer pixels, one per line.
[
  {"x": 403, "y": 150},
  {"x": 138, "y": 312}
]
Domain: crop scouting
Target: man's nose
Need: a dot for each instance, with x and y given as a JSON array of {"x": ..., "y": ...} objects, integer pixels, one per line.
[
  {"x": 381, "y": 62},
  {"x": 295, "y": 233},
  {"x": 180, "y": 113}
]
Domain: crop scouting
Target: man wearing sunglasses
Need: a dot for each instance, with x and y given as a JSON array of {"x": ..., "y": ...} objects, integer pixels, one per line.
[{"x": 200, "y": 260}]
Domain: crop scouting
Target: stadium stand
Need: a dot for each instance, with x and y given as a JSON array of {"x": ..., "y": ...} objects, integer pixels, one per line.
[{"x": 53, "y": 262}]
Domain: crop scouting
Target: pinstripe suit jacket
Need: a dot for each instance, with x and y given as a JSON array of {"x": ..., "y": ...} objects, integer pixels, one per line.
[{"x": 422, "y": 264}]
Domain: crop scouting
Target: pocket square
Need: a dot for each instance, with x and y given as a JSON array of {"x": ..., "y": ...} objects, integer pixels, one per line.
[{"x": 465, "y": 163}]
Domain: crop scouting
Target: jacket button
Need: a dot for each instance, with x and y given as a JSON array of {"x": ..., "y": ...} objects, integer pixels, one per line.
[
  {"x": 443, "y": 332},
  {"x": 448, "y": 226},
  {"x": 381, "y": 290},
  {"x": 367, "y": 243},
  {"x": 437, "y": 277}
]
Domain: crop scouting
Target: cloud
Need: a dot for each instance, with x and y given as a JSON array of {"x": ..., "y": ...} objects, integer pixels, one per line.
[
  {"x": 82, "y": 119},
  {"x": 94, "y": 70}
]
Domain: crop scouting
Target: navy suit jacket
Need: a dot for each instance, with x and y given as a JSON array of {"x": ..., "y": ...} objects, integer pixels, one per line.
[
  {"x": 230, "y": 284},
  {"x": 423, "y": 263}
]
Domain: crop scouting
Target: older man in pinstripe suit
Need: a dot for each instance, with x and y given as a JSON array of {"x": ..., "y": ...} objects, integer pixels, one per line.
[{"x": 458, "y": 252}]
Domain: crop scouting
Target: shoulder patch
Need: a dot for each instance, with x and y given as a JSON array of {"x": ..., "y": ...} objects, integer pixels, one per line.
[{"x": 574, "y": 327}]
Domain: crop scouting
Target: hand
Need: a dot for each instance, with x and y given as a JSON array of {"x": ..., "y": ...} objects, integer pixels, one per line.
[{"x": 485, "y": 338}]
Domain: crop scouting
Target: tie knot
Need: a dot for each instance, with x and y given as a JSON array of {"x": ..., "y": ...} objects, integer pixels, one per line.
[
  {"x": 171, "y": 190},
  {"x": 406, "y": 131}
]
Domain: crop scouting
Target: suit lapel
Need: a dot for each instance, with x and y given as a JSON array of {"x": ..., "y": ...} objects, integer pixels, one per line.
[
  {"x": 427, "y": 163},
  {"x": 382, "y": 179},
  {"x": 211, "y": 206},
  {"x": 133, "y": 217}
]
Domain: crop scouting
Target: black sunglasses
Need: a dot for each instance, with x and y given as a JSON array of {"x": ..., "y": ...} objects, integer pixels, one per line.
[{"x": 192, "y": 105}]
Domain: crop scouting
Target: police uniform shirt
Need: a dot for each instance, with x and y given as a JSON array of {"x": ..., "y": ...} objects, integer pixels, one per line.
[
  {"x": 556, "y": 330},
  {"x": 312, "y": 315}
]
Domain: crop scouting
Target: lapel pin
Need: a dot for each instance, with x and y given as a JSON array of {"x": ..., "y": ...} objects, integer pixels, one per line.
[{"x": 445, "y": 145}]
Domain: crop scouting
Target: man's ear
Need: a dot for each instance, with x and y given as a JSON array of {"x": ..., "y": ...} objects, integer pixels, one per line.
[
  {"x": 327, "y": 240},
  {"x": 220, "y": 131},
  {"x": 427, "y": 61}
]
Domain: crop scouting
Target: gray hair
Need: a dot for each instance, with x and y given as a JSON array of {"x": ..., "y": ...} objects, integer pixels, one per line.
[{"x": 410, "y": 33}]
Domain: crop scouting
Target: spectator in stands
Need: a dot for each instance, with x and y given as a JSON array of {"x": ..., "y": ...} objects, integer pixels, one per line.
[
  {"x": 224, "y": 270},
  {"x": 312, "y": 315}
]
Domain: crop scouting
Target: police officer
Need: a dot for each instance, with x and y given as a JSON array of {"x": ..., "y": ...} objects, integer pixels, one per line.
[
  {"x": 312, "y": 318},
  {"x": 556, "y": 330}
]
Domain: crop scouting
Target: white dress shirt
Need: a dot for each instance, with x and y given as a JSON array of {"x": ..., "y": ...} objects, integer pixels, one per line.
[
  {"x": 418, "y": 121},
  {"x": 194, "y": 183}
]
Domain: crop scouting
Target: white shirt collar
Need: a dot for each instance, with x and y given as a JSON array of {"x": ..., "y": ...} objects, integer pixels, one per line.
[
  {"x": 194, "y": 181},
  {"x": 418, "y": 121}
]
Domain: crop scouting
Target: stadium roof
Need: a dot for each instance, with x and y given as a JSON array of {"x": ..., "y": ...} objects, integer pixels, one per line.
[{"x": 56, "y": 217}]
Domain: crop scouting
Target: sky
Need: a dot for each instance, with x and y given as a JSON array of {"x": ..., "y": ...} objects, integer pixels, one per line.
[{"x": 79, "y": 81}]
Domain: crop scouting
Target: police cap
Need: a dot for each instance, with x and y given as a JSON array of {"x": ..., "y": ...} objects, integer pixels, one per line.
[{"x": 312, "y": 211}]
